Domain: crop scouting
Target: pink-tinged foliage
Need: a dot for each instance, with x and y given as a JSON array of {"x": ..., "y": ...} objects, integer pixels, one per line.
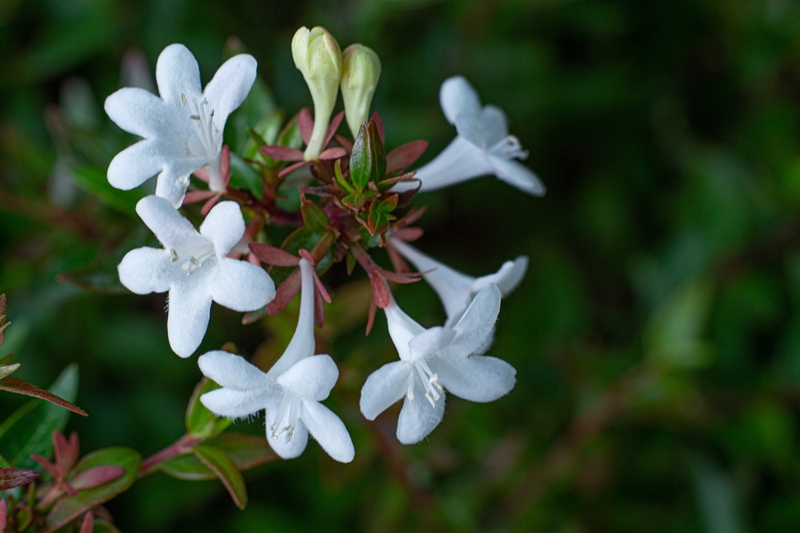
[
  {"x": 87, "y": 526},
  {"x": 376, "y": 117},
  {"x": 305, "y": 123},
  {"x": 380, "y": 290},
  {"x": 405, "y": 155},
  {"x": 96, "y": 476},
  {"x": 12, "y": 384},
  {"x": 282, "y": 153},
  {"x": 273, "y": 256},
  {"x": 14, "y": 477},
  {"x": 285, "y": 293},
  {"x": 332, "y": 153}
]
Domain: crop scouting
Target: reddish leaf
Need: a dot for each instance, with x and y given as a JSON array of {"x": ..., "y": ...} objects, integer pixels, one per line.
[
  {"x": 202, "y": 174},
  {"x": 282, "y": 153},
  {"x": 413, "y": 215},
  {"x": 15, "y": 477},
  {"x": 291, "y": 168},
  {"x": 408, "y": 234},
  {"x": 285, "y": 293},
  {"x": 197, "y": 196},
  {"x": 344, "y": 141},
  {"x": 273, "y": 256},
  {"x": 306, "y": 124},
  {"x": 398, "y": 262},
  {"x": 3, "y": 514},
  {"x": 371, "y": 317},
  {"x": 96, "y": 476},
  {"x": 334, "y": 125},
  {"x": 404, "y": 155},
  {"x": 210, "y": 203},
  {"x": 332, "y": 153},
  {"x": 399, "y": 277},
  {"x": 13, "y": 384},
  {"x": 87, "y": 526},
  {"x": 66, "y": 451},
  {"x": 319, "y": 312},
  {"x": 376, "y": 117},
  {"x": 380, "y": 290}
]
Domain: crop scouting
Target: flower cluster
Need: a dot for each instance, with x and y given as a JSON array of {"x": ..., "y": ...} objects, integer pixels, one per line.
[{"x": 354, "y": 203}]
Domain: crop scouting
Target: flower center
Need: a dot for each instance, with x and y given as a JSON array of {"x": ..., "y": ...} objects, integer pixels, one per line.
[
  {"x": 290, "y": 405},
  {"x": 202, "y": 117},
  {"x": 508, "y": 148},
  {"x": 429, "y": 380},
  {"x": 192, "y": 257}
]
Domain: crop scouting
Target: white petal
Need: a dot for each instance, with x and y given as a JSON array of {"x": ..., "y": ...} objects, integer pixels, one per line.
[
  {"x": 452, "y": 286},
  {"x": 164, "y": 220},
  {"x": 139, "y": 112},
  {"x": 235, "y": 404},
  {"x": 457, "y": 96},
  {"x": 136, "y": 164},
  {"x": 470, "y": 127},
  {"x": 460, "y": 161},
  {"x": 187, "y": 322},
  {"x": 402, "y": 328},
  {"x": 477, "y": 378},
  {"x": 172, "y": 187},
  {"x": 294, "y": 447},
  {"x": 241, "y": 286},
  {"x": 430, "y": 341},
  {"x": 177, "y": 73},
  {"x": 517, "y": 175},
  {"x": 418, "y": 418},
  {"x": 229, "y": 87},
  {"x": 507, "y": 278},
  {"x": 474, "y": 329},
  {"x": 329, "y": 431},
  {"x": 145, "y": 270},
  {"x": 311, "y": 378},
  {"x": 494, "y": 124},
  {"x": 232, "y": 371},
  {"x": 224, "y": 225},
  {"x": 384, "y": 387}
]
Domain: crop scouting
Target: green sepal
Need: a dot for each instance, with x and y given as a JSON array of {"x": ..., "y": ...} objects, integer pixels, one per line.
[
  {"x": 200, "y": 422},
  {"x": 368, "y": 159}
]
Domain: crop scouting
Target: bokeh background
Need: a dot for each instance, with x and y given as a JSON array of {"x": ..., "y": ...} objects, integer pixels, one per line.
[{"x": 656, "y": 335}]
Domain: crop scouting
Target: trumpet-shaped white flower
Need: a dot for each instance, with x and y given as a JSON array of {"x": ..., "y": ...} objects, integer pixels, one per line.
[
  {"x": 183, "y": 128},
  {"x": 483, "y": 145},
  {"x": 290, "y": 391},
  {"x": 456, "y": 290},
  {"x": 434, "y": 360},
  {"x": 194, "y": 268}
]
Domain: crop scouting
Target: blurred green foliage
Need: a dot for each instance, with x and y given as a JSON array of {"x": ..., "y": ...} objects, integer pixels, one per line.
[{"x": 656, "y": 335}]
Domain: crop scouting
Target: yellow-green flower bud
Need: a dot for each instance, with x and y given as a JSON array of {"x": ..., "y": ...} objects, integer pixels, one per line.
[
  {"x": 360, "y": 75},
  {"x": 318, "y": 56}
]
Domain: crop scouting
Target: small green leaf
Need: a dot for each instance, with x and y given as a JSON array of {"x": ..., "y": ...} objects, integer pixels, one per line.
[
  {"x": 337, "y": 169},
  {"x": 315, "y": 218},
  {"x": 354, "y": 201},
  {"x": 200, "y": 422},
  {"x": 95, "y": 182},
  {"x": 246, "y": 451},
  {"x": 368, "y": 160},
  {"x": 243, "y": 176},
  {"x": 300, "y": 239},
  {"x": 388, "y": 205},
  {"x": 70, "y": 507},
  {"x": 225, "y": 469},
  {"x": 7, "y": 370},
  {"x": 290, "y": 134},
  {"x": 377, "y": 223},
  {"x": 28, "y": 430}
]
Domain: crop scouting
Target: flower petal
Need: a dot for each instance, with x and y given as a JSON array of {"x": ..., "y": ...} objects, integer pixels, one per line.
[
  {"x": 477, "y": 378},
  {"x": 224, "y": 225},
  {"x": 494, "y": 124},
  {"x": 460, "y": 161},
  {"x": 430, "y": 341},
  {"x": 229, "y": 87},
  {"x": 402, "y": 328},
  {"x": 286, "y": 449},
  {"x": 329, "y": 430},
  {"x": 187, "y": 322},
  {"x": 418, "y": 418},
  {"x": 311, "y": 378},
  {"x": 172, "y": 186},
  {"x": 384, "y": 387},
  {"x": 235, "y": 403},
  {"x": 507, "y": 278},
  {"x": 177, "y": 73},
  {"x": 136, "y": 164},
  {"x": 164, "y": 220},
  {"x": 452, "y": 286},
  {"x": 139, "y": 112},
  {"x": 475, "y": 328},
  {"x": 457, "y": 96},
  {"x": 145, "y": 270},
  {"x": 232, "y": 371},
  {"x": 470, "y": 128},
  {"x": 240, "y": 285},
  {"x": 517, "y": 175}
]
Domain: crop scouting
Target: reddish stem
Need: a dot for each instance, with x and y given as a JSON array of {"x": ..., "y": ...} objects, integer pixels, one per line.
[{"x": 180, "y": 447}]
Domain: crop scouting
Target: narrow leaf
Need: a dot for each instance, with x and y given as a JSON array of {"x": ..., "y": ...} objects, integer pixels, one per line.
[
  {"x": 246, "y": 451},
  {"x": 405, "y": 155},
  {"x": 273, "y": 256},
  {"x": 15, "y": 477},
  {"x": 7, "y": 370},
  {"x": 12, "y": 384},
  {"x": 315, "y": 218},
  {"x": 225, "y": 469}
]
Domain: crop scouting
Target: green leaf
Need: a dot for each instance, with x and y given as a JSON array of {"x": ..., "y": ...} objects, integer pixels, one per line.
[
  {"x": 200, "y": 422},
  {"x": 290, "y": 134},
  {"x": 337, "y": 170},
  {"x": 315, "y": 218},
  {"x": 28, "y": 430},
  {"x": 243, "y": 176},
  {"x": 7, "y": 370},
  {"x": 264, "y": 133},
  {"x": 368, "y": 160},
  {"x": 225, "y": 469},
  {"x": 95, "y": 182},
  {"x": 70, "y": 507},
  {"x": 246, "y": 451}
]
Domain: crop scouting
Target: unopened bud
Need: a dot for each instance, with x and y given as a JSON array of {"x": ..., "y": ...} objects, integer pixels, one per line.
[
  {"x": 317, "y": 55},
  {"x": 361, "y": 71}
]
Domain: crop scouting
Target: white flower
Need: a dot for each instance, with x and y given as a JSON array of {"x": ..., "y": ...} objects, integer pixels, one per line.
[
  {"x": 192, "y": 266},
  {"x": 456, "y": 290},
  {"x": 483, "y": 145},
  {"x": 182, "y": 130},
  {"x": 432, "y": 360},
  {"x": 290, "y": 392}
]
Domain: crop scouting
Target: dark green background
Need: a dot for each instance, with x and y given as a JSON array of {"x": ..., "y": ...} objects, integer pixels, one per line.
[{"x": 656, "y": 335}]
